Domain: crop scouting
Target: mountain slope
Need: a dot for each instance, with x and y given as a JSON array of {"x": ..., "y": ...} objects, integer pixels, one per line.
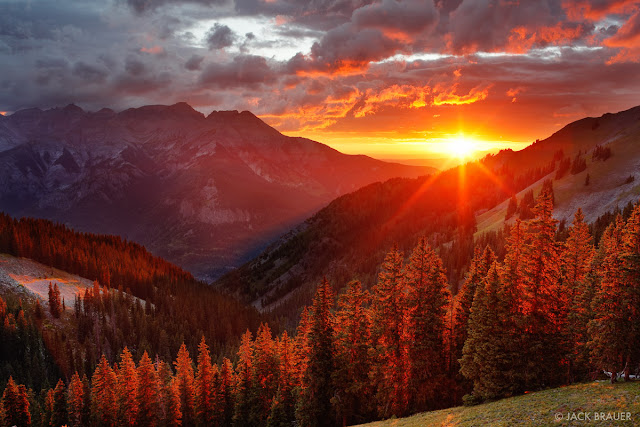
[
  {"x": 204, "y": 192},
  {"x": 348, "y": 239},
  {"x": 540, "y": 408}
]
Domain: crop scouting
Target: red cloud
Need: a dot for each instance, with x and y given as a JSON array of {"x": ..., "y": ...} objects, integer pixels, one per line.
[{"x": 596, "y": 9}]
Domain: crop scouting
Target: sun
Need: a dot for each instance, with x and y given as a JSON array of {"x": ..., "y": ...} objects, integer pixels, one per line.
[{"x": 460, "y": 146}]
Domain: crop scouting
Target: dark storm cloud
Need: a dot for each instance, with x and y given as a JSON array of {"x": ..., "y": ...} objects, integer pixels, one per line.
[
  {"x": 219, "y": 37},
  {"x": 244, "y": 70},
  {"x": 142, "y": 6},
  {"x": 89, "y": 73},
  {"x": 194, "y": 63}
]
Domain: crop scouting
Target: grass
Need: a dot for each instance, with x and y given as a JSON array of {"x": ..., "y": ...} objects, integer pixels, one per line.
[{"x": 539, "y": 408}]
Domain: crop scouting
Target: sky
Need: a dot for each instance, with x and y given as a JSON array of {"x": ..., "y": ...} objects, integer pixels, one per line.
[{"x": 392, "y": 79}]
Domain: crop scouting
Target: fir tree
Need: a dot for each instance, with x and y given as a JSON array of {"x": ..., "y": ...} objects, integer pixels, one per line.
[
  {"x": 576, "y": 263},
  {"x": 353, "y": 362},
  {"x": 487, "y": 352},
  {"x": 265, "y": 376},
  {"x": 59, "y": 413},
  {"x": 314, "y": 407},
  {"x": 388, "y": 318},
  {"x": 15, "y": 405},
  {"x": 127, "y": 390},
  {"x": 104, "y": 407},
  {"x": 148, "y": 393},
  {"x": 75, "y": 402},
  {"x": 244, "y": 374},
  {"x": 185, "y": 384},
  {"x": 542, "y": 299},
  {"x": 205, "y": 397},
  {"x": 427, "y": 301},
  {"x": 607, "y": 328},
  {"x": 464, "y": 299}
]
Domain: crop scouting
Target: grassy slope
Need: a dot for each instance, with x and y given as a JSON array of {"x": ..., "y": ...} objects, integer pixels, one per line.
[{"x": 538, "y": 408}]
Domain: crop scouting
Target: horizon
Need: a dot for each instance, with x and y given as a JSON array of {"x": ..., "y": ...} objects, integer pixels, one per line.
[{"x": 387, "y": 79}]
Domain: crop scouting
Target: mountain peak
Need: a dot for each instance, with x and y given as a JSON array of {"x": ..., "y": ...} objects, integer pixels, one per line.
[
  {"x": 72, "y": 108},
  {"x": 179, "y": 110}
]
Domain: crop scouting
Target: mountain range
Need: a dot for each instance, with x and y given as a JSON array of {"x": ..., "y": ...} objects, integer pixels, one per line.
[
  {"x": 205, "y": 192},
  {"x": 349, "y": 238}
]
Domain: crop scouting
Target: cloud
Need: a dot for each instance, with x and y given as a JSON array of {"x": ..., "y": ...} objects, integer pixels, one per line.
[
  {"x": 142, "y": 6},
  {"x": 449, "y": 95},
  {"x": 243, "y": 71},
  {"x": 596, "y": 9},
  {"x": 219, "y": 37},
  {"x": 194, "y": 63}
]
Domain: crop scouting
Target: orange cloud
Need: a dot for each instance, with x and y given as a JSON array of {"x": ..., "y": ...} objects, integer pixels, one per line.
[
  {"x": 399, "y": 96},
  {"x": 450, "y": 97},
  {"x": 3, "y": 113},
  {"x": 580, "y": 9},
  {"x": 522, "y": 39},
  {"x": 513, "y": 92},
  {"x": 154, "y": 50}
]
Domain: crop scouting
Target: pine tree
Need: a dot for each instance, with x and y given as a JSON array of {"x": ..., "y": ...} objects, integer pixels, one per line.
[
  {"x": 486, "y": 356},
  {"x": 464, "y": 299},
  {"x": 169, "y": 399},
  {"x": 631, "y": 260},
  {"x": 388, "y": 315},
  {"x": 148, "y": 393},
  {"x": 427, "y": 301},
  {"x": 228, "y": 382},
  {"x": 265, "y": 376},
  {"x": 127, "y": 390},
  {"x": 607, "y": 328},
  {"x": 104, "y": 407},
  {"x": 314, "y": 407},
  {"x": 282, "y": 412},
  {"x": 353, "y": 362},
  {"x": 59, "y": 413},
  {"x": 185, "y": 384},
  {"x": 244, "y": 374},
  {"x": 576, "y": 263},
  {"x": 542, "y": 299},
  {"x": 512, "y": 208},
  {"x": 205, "y": 397},
  {"x": 75, "y": 402},
  {"x": 15, "y": 405},
  {"x": 54, "y": 300}
]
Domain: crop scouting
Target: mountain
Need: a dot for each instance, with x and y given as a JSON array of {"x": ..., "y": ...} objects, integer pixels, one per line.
[
  {"x": 204, "y": 192},
  {"x": 349, "y": 238}
]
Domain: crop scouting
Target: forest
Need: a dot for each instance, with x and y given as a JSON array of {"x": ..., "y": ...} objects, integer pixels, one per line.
[{"x": 551, "y": 307}]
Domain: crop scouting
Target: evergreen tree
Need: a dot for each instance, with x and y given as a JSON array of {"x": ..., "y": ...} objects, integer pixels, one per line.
[
  {"x": 542, "y": 299},
  {"x": 631, "y": 260},
  {"x": 59, "y": 413},
  {"x": 427, "y": 301},
  {"x": 576, "y": 262},
  {"x": 15, "y": 405},
  {"x": 244, "y": 373},
  {"x": 282, "y": 411},
  {"x": 54, "y": 300},
  {"x": 75, "y": 402},
  {"x": 127, "y": 390},
  {"x": 185, "y": 384},
  {"x": 104, "y": 407},
  {"x": 148, "y": 393},
  {"x": 353, "y": 394},
  {"x": 464, "y": 299},
  {"x": 205, "y": 397},
  {"x": 388, "y": 320},
  {"x": 486, "y": 353},
  {"x": 228, "y": 382},
  {"x": 265, "y": 376},
  {"x": 314, "y": 407}
]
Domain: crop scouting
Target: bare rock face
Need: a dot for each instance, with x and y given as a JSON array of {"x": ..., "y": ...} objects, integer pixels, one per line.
[{"x": 204, "y": 192}]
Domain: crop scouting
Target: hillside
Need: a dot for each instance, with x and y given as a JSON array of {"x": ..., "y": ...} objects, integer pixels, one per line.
[
  {"x": 538, "y": 408},
  {"x": 348, "y": 238},
  {"x": 203, "y": 192}
]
